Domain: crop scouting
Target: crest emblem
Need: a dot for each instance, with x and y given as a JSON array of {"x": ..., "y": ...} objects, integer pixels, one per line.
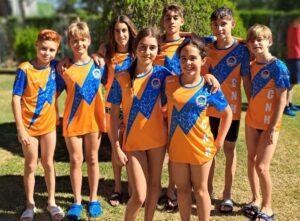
[
  {"x": 155, "y": 83},
  {"x": 96, "y": 74},
  {"x": 265, "y": 74},
  {"x": 201, "y": 101},
  {"x": 231, "y": 61}
]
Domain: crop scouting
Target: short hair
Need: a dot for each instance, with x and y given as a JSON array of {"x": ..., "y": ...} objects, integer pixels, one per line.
[
  {"x": 48, "y": 35},
  {"x": 195, "y": 41},
  {"x": 78, "y": 29},
  {"x": 174, "y": 8},
  {"x": 259, "y": 31},
  {"x": 221, "y": 13}
]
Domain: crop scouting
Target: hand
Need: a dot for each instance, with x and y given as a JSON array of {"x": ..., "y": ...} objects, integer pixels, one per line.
[
  {"x": 269, "y": 136},
  {"x": 218, "y": 144},
  {"x": 63, "y": 65},
  {"x": 120, "y": 156},
  {"x": 211, "y": 80},
  {"x": 24, "y": 137},
  {"x": 98, "y": 59}
]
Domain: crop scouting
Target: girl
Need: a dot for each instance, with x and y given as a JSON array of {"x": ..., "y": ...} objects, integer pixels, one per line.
[
  {"x": 270, "y": 82},
  {"x": 139, "y": 92},
  {"x": 33, "y": 105},
  {"x": 191, "y": 143},
  {"x": 83, "y": 119}
]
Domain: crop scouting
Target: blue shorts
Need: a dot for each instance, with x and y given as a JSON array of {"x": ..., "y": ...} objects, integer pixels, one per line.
[
  {"x": 233, "y": 132},
  {"x": 294, "y": 68}
]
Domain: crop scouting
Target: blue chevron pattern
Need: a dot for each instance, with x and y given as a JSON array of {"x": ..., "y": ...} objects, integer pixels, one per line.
[
  {"x": 125, "y": 64},
  {"x": 44, "y": 95},
  {"x": 173, "y": 64},
  {"x": 88, "y": 90}
]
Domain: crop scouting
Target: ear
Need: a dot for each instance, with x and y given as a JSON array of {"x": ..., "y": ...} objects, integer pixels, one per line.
[
  {"x": 182, "y": 21},
  {"x": 233, "y": 23},
  {"x": 270, "y": 42},
  {"x": 203, "y": 61}
]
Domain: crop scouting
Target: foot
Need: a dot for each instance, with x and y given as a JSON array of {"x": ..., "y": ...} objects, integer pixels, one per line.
[
  {"x": 171, "y": 204},
  {"x": 289, "y": 112},
  {"x": 261, "y": 216},
  {"x": 28, "y": 214},
  {"x": 294, "y": 107},
  {"x": 250, "y": 210},
  {"x": 74, "y": 213},
  {"x": 57, "y": 214},
  {"x": 115, "y": 199},
  {"x": 95, "y": 209},
  {"x": 226, "y": 206}
]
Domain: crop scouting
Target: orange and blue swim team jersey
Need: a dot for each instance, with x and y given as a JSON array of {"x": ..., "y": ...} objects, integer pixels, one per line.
[
  {"x": 141, "y": 102},
  {"x": 119, "y": 62},
  {"x": 84, "y": 105},
  {"x": 228, "y": 66},
  {"x": 265, "y": 79},
  {"x": 190, "y": 137},
  {"x": 37, "y": 88}
]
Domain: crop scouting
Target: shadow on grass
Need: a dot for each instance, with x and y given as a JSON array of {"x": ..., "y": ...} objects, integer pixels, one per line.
[
  {"x": 12, "y": 195},
  {"x": 9, "y": 142}
]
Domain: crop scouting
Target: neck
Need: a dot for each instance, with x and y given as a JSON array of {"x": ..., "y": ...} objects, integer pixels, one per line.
[
  {"x": 39, "y": 65},
  {"x": 123, "y": 49},
  {"x": 226, "y": 42},
  {"x": 264, "y": 57},
  {"x": 172, "y": 37},
  {"x": 190, "y": 80},
  {"x": 81, "y": 59},
  {"x": 140, "y": 69}
]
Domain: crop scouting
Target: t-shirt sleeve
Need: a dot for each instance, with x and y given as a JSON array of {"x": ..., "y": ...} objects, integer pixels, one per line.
[
  {"x": 282, "y": 76},
  {"x": 20, "y": 82},
  {"x": 245, "y": 63},
  {"x": 218, "y": 100},
  {"x": 115, "y": 93}
]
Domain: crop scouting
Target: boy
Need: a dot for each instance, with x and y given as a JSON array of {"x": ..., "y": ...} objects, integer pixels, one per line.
[
  {"x": 33, "y": 105},
  {"x": 83, "y": 119},
  {"x": 228, "y": 61}
]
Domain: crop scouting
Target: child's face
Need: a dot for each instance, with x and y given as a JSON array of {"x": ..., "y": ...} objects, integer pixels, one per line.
[
  {"x": 147, "y": 50},
  {"x": 190, "y": 60},
  {"x": 79, "y": 45},
  {"x": 46, "y": 51},
  {"x": 121, "y": 34},
  {"x": 259, "y": 45},
  {"x": 172, "y": 22},
  {"x": 221, "y": 28}
]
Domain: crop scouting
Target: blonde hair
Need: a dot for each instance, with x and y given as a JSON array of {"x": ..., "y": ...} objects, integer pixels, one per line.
[
  {"x": 78, "y": 29},
  {"x": 259, "y": 31}
]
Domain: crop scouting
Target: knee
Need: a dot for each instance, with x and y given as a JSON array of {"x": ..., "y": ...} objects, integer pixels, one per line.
[
  {"x": 184, "y": 190},
  {"x": 92, "y": 160},
  {"x": 30, "y": 167},
  {"x": 47, "y": 165},
  {"x": 251, "y": 159},
  {"x": 76, "y": 160},
  {"x": 262, "y": 169},
  {"x": 230, "y": 152},
  {"x": 138, "y": 198}
]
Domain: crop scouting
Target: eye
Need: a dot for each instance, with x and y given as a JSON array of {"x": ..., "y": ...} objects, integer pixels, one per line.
[
  {"x": 153, "y": 47},
  {"x": 176, "y": 17}
]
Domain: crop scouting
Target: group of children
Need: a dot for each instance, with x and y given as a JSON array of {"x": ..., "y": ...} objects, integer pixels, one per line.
[{"x": 175, "y": 93}]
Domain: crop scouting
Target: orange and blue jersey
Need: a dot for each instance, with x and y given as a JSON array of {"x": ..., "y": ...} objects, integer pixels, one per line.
[
  {"x": 265, "y": 79},
  {"x": 141, "y": 102},
  {"x": 228, "y": 66},
  {"x": 84, "y": 105},
  {"x": 37, "y": 88},
  {"x": 169, "y": 56},
  {"x": 190, "y": 137},
  {"x": 119, "y": 62}
]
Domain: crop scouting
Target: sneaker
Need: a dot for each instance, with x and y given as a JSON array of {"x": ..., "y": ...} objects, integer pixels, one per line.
[
  {"x": 294, "y": 107},
  {"x": 289, "y": 112}
]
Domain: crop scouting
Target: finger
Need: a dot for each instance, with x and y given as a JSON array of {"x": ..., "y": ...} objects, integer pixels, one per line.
[{"x": 214, "y": 89}]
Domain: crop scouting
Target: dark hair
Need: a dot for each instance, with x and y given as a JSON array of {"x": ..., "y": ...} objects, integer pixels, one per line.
[
  {"x": 174, "y": 8},
  {"x": 197, "y": 42},
  {"x": 112, "y": 44},
  {"x": 220, "y": 13},
  {"x": 145, "y": 32}
]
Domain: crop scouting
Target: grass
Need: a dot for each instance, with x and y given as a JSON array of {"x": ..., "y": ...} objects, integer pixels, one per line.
[{"x": 285, "y": 173}]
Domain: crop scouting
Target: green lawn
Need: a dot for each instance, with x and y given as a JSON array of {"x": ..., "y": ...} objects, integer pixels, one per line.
[{"x": 285, "y": 172}]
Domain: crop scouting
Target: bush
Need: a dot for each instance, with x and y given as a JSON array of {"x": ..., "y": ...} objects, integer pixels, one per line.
[{"x": 24, "y": 45}]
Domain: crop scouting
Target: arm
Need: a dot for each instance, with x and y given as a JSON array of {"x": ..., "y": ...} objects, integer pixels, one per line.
[
  {"x": 280, "y": 95},
  {"x": 23, "y": 135},
  {"x": 247, "y": 86},
  {"x": 99, "y": 56},
  {"x": 226, "y": 119},
  {"x": 63, "y": 65},
  {"x": 114, "y": 137},
  {"x": 212, "y": 80}
]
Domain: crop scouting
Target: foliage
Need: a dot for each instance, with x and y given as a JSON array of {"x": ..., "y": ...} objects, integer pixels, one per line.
[
  {"x": 24, "y": 43},
  {"x": 285, "y": 5}
]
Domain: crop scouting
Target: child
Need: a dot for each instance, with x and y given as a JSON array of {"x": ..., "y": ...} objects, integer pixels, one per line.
[
  {"x": 191, "y": 144},
  {"x": 33, "y": 104},
  {"x": 139, "y": 92},
  {"x": 270, "y": 82},
  {"x": 83, "y": 119},
  {"x": 172, "y": 20},
  {"x": 228, "y": 61},
  {"x": 118, "y": 58}
]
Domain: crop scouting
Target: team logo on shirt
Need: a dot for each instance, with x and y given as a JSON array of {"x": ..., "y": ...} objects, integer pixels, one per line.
[
  {"x": 96, "y": 73},
  {"x": 53, "y": 75},
  {"x": 201, "y": 101},
  {"x": 265, "y": 74},
  {"x": 231, "y": 61},
  {"x": 155, "y": 83}
]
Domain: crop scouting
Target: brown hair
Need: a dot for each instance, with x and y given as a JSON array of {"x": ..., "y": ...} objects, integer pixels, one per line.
[
  {"x": 174, "y": 8},
  {"x": 221, "y": 13},
  {"x": 195, "y": 41},
  {"x": 112, "y": 44},
  {"x": 48, "y": 35}
]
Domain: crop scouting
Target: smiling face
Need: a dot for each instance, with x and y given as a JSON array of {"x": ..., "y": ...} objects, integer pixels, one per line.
[
  {"x": 172, "y": 22},
  {"x": 121, "y": 35},
  {"x": 46, "y": 51},
  {"x": 222, "y": 27},
  {"x": 79, "y": 45},
  {"x": 191, "y": 61},
  {"x": 147, "y": 50},
  {"x": 259, "y": 45}
]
